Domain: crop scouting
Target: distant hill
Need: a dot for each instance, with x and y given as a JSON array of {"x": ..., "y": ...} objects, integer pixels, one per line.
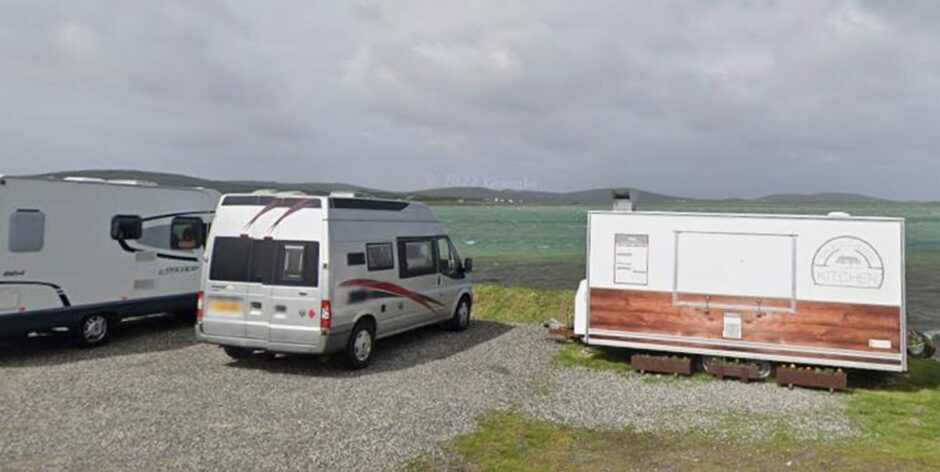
[
  {"x": 820, "y": 197},
  {"x": 471, "y": 195}
]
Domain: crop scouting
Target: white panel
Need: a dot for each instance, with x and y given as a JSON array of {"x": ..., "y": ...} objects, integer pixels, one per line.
[
  {"x": 843, "y": 260},
  {"x": 752, "y": 265}
]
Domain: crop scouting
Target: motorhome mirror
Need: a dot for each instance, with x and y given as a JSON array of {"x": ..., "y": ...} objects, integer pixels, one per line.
[
  {"x": 468, "y": 265},
  {"x": 126, "y": 227}
]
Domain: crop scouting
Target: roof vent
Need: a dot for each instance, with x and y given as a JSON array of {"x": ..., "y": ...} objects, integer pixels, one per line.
[
  {"x": 623, "y": 200},
  {"x": 342, "y": 194},
  {"x": 839, "y": 214}
]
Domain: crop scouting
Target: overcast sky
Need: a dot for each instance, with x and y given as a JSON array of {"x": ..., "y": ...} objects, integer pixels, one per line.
[{"x": 708, "y": 98}]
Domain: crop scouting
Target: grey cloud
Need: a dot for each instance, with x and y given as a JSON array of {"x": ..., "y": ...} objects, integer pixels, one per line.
[{"x": 726, "y": 98}]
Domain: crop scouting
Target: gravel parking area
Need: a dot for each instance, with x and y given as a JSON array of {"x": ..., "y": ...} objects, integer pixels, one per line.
[{"x": 154, "y": 399}]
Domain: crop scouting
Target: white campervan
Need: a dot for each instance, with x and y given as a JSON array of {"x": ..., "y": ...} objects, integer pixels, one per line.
[
  {"x": 83, "y": 253},
  {"x": 295, "y": 273}
]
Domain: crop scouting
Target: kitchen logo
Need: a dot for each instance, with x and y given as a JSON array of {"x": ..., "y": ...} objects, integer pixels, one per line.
[{"x": 848, "y": 261}]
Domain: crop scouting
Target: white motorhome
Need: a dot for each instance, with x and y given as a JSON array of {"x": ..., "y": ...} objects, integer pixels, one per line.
[
  {"x": 294, "y": 273},
  {"x": 84, "y": 253},
  {"x": 823, "y": 290}
]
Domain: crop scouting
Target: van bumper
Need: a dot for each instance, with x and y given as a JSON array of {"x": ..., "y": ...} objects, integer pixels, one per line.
[{"x": 320, "y": 344}]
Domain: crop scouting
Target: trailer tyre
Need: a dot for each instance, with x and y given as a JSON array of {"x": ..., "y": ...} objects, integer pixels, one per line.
[
  {"x": 461, "y": 318},
  {"x": 93, "y": 330},
  {"x": 360, "y": 346}
]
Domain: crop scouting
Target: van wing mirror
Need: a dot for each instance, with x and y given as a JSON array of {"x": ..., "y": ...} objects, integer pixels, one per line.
[
  {"x": 468, "y": 265},
  {"x": 127, "y": 227}
]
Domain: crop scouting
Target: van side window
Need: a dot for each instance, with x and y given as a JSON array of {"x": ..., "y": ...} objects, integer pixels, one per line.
[
  {"x": 447, "y": 256},
  {"x": 186, "y": 232},
  {"x": 416, "y": 257},
  {"x": 356, "y": 259},
  {"x": 27, "y": 230},
  {"x": 380, "y": 256}
]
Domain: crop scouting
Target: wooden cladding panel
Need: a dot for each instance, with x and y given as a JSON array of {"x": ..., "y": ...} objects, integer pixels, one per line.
[{"x": 815, "y": 324}]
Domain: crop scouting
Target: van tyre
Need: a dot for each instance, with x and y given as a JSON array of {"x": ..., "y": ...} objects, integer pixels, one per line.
[
  {"x": 461, "y": 319},
  {"x": 237, "y": 353},
  {"x": 360, "y": 346},
  {"x": 93, "y": 330}
]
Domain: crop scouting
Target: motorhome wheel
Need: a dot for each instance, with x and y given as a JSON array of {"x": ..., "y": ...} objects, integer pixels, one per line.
[
  {"x": 93, "y": 330},
  {"x": 359, "y": 347},
  {"x": 461, "y": 318}
]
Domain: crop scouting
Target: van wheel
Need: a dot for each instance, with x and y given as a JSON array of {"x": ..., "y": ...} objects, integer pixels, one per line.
[
  {"x": 237, "y": 353},
  {"x": 360, "y": 346},
  {"x": 461, "y": 319},
  {"x": 93, "y": 330}
]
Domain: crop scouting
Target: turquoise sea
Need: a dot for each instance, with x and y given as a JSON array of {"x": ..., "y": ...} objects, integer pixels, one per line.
[{"x": 544, "y": 246}]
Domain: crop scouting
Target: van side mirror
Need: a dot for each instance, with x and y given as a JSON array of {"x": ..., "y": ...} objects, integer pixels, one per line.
[
  {"x": 467, "y": 265},
  {"x": 127, "y": 227}
]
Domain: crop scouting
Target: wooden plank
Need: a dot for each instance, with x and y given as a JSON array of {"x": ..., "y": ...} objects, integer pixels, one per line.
[{"x": 815, "y": 324}]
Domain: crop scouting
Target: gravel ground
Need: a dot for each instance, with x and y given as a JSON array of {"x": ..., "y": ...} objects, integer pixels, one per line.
[
  {"x": 728, "y": 409},
  {"x": 154, "y": 398}
]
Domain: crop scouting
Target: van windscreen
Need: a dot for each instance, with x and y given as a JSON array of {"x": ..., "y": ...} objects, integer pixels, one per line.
[{"x": 265, "y": 261}]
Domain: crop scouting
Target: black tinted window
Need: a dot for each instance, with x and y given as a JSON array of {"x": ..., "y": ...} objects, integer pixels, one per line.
[
  {"x": 230, "y": 259},
  {"x": 266, "y": 261}
]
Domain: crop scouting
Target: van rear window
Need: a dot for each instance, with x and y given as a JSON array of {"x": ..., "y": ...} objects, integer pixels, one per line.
[{"x": 267, "y": 262}]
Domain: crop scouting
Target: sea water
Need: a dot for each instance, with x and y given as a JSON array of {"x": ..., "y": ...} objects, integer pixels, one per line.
[{"x": 544, "y": 246}]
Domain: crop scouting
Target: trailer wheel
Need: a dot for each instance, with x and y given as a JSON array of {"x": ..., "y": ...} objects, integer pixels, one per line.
[
  {"x": 237, "y": 353},
  {"x": 461, "y": 319},
  {"x": 360, "y": 346},
  {"x": 93, "y": 330}
]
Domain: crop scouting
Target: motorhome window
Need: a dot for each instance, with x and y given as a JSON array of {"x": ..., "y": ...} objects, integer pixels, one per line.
[
  {"x": 447, "y": 261},
  {"x": 230, "y": 259},
  {"x": 356, "y": 258},
  {"x": 186, "y": 232},
  {"x": 27, "y": 230},
  {"x": 298, "y": 264},
  {"x": 380, "y": 256},
  {"x": 261, "y": 263},
  {"x": 417, "y": 257},
  {"x": 127, "y": 227}
]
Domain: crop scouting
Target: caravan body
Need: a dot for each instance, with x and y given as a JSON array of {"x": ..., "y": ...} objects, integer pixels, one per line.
[
  {"x": 818, "y": 290},
  {"x": 59, "y": 264},
  {"x": 298, "y": 273}
]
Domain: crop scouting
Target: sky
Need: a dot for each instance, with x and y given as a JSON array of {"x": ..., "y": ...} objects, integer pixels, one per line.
[{"x": 699, "y": 99}]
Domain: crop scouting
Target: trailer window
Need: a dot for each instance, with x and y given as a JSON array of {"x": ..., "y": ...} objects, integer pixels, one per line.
[
  {"x": 380, "y": 256},
  {"x": 27, "y": 230},
  {"x": 416, "y": 256},
  {"x": 298, "y": 264},
  {"x": 186, "y": 232},
  {"x": 230, "y": 259}
]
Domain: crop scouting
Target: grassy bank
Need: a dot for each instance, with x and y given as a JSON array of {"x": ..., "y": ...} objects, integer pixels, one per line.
[
  {"x": 897, "y": 417},
  {"x": 522, "y": 305}
]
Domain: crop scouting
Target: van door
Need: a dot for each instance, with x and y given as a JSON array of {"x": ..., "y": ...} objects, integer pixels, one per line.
[
  {"x": 258, "y": 303},
  {"x": 226, "y": 290},
  {"x": 449, "y": 275},
  {"x": 418, "y": 273},
  {"x": 295, "y": 293}
]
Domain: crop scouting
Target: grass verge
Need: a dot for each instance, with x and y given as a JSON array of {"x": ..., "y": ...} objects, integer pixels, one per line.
[{"x": 522, "y": 305}]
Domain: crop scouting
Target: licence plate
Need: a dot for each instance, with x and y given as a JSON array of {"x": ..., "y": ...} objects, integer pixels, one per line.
[{"x": 226, "y": 307}]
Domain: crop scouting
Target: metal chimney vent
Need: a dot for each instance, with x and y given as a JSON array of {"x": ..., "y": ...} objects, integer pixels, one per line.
[{"x": 623, "y": 200}]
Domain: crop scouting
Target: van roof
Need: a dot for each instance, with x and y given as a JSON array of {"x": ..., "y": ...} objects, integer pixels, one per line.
[{"x": 80, "y": 180}]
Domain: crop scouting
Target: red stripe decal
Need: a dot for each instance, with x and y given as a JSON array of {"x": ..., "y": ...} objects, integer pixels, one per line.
[
  {"x": 293, "y": 209},
  {"x": 423, "y": 300},
  {"x": 270, "y": 206}
]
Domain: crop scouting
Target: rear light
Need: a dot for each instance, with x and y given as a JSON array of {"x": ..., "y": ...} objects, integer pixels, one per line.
[
  {"x": 326, "y": 314},
  {"x": 199, "y": 300}
]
